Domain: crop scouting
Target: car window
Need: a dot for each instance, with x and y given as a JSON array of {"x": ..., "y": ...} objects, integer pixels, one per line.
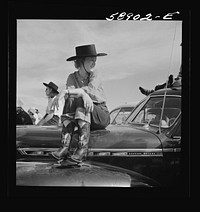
[
  {"x": 177, "y": 132},
  {"x": 113, "y": 114},
  {"x": 151, "y": 112},
  {"x": 135, "y": 110},
  {"x": 122, "y": 115},
  {"x": 119, "y": 116}
]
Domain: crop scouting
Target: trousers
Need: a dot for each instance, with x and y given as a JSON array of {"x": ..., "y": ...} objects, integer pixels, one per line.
[
  {"x": 74, "y": 109},
  {"x": 53, "y": 121}
]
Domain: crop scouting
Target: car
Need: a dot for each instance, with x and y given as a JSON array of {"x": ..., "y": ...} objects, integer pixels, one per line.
[
  {"x": 89, "y": 174},
  {"x": 149, "y": 142},
  {"x": 22, "y": 117},
  {"x": 119, "y": 114}
]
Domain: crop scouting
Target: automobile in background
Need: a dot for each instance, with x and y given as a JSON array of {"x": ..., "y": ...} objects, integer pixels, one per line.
[
  {"x": 89, "y": 174},
  {"x": 149, "y": 142},
  {"x": 119, "y": 114},
  {"x": 22, "y": 117}
]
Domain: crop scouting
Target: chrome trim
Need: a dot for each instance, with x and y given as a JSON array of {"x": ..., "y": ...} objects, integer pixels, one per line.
[
  {"x": 119, "y": 150},
  {"x": 22, "y": 163},
  {"x": 167, "y": 95},
  {"x": 172, "y": 150},
  {"x": 108, "y": 152},
  {"x": 177, "y": 149},
  {"x": 24, "y": 151},
  {"x": 176, "y": 137},
  {"x": 125, "y": 152}
]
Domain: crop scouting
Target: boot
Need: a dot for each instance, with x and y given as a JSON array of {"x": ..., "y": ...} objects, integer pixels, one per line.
[
  {"x": 145, "y": 91},
  {"x": 81, "y": 151},
  {"x": 170, "y": 81},
  {"x": 67, "y": 133}
]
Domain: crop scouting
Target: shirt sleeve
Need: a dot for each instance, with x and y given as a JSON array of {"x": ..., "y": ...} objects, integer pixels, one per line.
[
  {"x": 95, "y": 88},
  {"x": 70, "y": 82},
  {"x": 48, "y": 108}
]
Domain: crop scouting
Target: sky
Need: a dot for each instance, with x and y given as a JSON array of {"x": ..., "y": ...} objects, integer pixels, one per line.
[{"x": 140, "y": 53}]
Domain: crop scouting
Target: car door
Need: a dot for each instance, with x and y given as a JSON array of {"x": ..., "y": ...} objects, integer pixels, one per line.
[{"x": 172, "y": 155}]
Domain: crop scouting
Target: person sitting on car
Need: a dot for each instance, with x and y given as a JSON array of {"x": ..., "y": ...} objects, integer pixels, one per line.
[
  {"x": 35, "y": 115},
  {"x": 85, "y": 104},
  {"x": 39, "y": 115},
  {"x": 170, "y": 83},
  {"x": 52, "y": 116}
]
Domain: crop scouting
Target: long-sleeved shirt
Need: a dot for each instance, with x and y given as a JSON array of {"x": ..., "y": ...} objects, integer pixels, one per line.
[{"x": 92, "y": 86}]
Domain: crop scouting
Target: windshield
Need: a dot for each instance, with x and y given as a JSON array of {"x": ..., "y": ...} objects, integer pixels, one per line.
[
  {"x": 119, "y": 116},
  {"x": 150, "y": 113}
]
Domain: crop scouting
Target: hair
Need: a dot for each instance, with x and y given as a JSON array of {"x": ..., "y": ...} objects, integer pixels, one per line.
[{"x": 78, "y": 61}]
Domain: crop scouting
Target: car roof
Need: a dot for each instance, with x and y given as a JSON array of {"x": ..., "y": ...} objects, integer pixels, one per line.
[
  {"x": 169, "y": 91},
  {"x": 130, "y": 105}
]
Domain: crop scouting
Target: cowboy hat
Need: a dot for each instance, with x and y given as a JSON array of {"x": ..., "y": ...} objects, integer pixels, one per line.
[
  {"x": 85, "y": 51},
  {"x": 52, "y": 85}
]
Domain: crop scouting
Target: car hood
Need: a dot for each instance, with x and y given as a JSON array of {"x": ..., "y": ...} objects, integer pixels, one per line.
[
  {"x": 38, "y": 136},
  {"x": 114, "y": 136},
  {"x": 89, "y": 174},
  {"x": 124, "y": 136}
]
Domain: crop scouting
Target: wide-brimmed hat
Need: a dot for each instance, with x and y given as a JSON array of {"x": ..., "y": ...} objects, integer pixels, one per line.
[
  {"x": 85, "y": 51},
  {"x": 52, "y": 85}
]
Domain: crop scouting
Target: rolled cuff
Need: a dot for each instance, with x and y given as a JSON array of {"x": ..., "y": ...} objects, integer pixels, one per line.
[
  {"x": 82, "y": 114},
  {"x": 79, "y": 114}
]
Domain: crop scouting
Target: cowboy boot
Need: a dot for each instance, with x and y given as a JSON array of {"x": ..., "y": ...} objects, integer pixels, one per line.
[
  {"x": 67, "y": 133},
  {"x": 81, "y": 151},
  {"x": 145, "y": 91},
  {"x": 170, "y": 81}
]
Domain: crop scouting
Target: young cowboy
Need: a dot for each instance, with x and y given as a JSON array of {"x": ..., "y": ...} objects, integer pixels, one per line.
[
  {"x": 85, "y": 104},
  {"x": 52, "y": 115}
]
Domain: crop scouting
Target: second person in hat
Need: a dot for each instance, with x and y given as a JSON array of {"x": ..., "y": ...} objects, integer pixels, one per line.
[
  {"x": 85, "y": 104},
  {"x": 52, "y": 116}
]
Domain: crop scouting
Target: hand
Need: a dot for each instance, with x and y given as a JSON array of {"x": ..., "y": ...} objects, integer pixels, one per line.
[
  {"x": 40, "y": 123},
  {"x": 88, "y": 103},
  {"x": 55, "y": 103}
]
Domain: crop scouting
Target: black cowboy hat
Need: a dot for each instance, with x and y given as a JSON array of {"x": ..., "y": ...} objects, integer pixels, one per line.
[
  {"x": 52, "y": 85},
  {"x": 85, "y": 51}
]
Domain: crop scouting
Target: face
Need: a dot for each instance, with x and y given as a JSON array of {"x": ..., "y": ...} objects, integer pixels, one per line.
[
  {"x": 48, "y": 91},
  {"x": 90, "y": 63}
]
